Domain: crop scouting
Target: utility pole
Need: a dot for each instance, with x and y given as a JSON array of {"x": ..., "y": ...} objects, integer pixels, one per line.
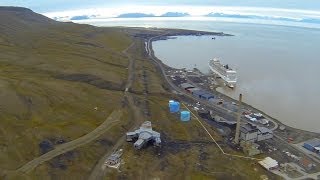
[{"x": 236, "y": 138}]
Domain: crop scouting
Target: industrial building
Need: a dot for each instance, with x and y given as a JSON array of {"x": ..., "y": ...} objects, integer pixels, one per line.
[
  {"x": 143, "y": 135},
  {"x": 191, "y": 90},
  {"x": 202, "y": 94},
  {"x": 269, "y": 163},
  {"x": 252, "y": 133},
  {"x": 248, "y": 132},
  {"x": 312, "y": 145},
  {"x": 186, "y": 86}
]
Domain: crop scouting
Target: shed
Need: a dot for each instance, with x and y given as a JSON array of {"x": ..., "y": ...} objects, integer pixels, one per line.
[
  {"x": 312, "y": 144},
  {"x": 186, "y": 86},
  {"x": 269, "y": 163}
]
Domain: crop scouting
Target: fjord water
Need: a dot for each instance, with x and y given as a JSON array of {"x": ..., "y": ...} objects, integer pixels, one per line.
[{"x": 278, "y": 66}]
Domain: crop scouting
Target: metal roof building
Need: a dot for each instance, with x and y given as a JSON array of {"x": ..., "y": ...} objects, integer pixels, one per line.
[
  {"x": 253, "y": 133},
  {"x": 207, "y": 96},
  {"x": 144, "y": 134},
  {"x": 186, "y": 85},
  {"x": 269, "y": 163},
  {"x": 312, "y": 144},
  {"x": 191, "y": 90}
]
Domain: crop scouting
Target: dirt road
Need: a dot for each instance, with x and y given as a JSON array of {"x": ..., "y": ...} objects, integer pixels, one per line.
[
  {"x": 137, "y": 118},
  {"x": 63, "y": 148}
]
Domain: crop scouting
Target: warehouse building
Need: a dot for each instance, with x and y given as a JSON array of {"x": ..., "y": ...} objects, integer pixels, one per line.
[
  {"x": 312, "y": 145},
  {"x": 201, "y": 94},
  {"x": 269, "y": 163}
]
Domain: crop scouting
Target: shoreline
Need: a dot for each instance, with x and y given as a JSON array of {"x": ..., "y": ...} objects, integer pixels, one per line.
[{"x": 191, "y": 33}]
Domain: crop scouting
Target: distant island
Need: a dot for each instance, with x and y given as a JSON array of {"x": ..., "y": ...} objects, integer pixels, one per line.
[
  {"x": 141, "y": 15},
  {"x": 83, "y": 17},
  {"x": 175, "y": 14},
  {"x": 135, "y": 15}
]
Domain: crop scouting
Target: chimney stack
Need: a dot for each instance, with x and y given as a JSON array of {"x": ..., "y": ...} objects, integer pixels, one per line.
[{"x": 236, "y": 138}]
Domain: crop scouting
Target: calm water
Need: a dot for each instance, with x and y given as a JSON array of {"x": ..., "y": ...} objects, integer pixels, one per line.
[{"x": 277, "y": 65}]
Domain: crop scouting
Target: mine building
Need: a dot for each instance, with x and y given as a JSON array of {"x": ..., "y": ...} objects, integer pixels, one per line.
[
  {"x": 143, "y": 135},
  {"x": 252, "y": 133}
]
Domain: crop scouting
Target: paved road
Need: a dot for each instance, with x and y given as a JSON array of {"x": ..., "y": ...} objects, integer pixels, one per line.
[{"x": 63, "y": 148}]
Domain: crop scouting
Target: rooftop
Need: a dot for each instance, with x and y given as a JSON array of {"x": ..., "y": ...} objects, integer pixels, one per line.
[
  {"x": 186, "y": 85},
  {"x": 268, "y": 163},
  {"x": 313, "y": 142},
  {"x": 246, "y": 128},
  {"x": 264, "y": 130}
]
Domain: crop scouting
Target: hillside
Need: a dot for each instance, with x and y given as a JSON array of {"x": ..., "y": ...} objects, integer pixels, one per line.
[
  {"x": 52, "y": 76},
  {"x": 63, "y": 106}
]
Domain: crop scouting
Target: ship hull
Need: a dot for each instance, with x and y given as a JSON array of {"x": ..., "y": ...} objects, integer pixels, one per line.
[{"x": 227, "y": 82}]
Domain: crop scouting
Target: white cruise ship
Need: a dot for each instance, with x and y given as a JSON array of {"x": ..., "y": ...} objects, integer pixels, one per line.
[{"x": 224, "y": 71}]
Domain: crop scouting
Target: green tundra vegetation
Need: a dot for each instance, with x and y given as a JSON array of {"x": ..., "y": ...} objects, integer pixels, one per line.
[{"x": 59, "y": 81}]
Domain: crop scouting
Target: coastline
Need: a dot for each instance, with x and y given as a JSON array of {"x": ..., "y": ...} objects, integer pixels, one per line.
[{"x": 293, "y": 132}]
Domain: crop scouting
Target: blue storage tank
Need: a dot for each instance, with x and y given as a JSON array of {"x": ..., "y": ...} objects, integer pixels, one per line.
[
  {"x": 170, "y": 101},
  {"x": 185, "y": 116},
  {"x": 174, "y": 107}
]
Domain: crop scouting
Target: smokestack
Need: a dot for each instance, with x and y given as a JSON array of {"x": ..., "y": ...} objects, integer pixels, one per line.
[{"x": 236, "y": 138}]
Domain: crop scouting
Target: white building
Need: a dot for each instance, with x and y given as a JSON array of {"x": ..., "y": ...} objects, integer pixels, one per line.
[{"x": 269, "y": 163}]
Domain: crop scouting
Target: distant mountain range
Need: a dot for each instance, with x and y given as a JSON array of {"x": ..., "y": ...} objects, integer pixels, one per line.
[
  {"x": 183, "y": 14},
  {"x": 135, "y": 15},
  {"x": 239, "y": 16},
  {"x": 140, "y": 15},
  {"x": 175, "y": 14}
]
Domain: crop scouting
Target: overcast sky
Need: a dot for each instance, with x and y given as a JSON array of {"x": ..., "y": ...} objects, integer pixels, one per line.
[{"x": 44, "y": 6}]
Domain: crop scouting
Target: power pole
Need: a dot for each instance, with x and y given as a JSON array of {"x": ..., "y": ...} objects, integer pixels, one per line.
[{"x": 236, "y": 138}]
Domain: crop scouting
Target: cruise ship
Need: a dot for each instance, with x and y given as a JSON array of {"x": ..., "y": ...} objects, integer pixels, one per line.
[{"x": 224, "y": 71}]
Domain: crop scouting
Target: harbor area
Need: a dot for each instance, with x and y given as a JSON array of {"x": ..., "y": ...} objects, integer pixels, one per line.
[{"x": 260, "y": 134}]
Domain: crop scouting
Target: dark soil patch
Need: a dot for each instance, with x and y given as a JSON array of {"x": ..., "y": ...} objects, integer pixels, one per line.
[
  {"x": 63, "y": 161},
  {"x": 92, "y": 80},
  {"x": 45, "y": 146}
]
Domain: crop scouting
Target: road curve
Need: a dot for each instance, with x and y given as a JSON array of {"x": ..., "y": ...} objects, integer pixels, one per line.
[{"x": 63, "y": 148}]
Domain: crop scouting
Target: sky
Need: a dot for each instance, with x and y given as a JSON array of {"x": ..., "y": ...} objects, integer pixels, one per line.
[{"x": 46, "y": 6}]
